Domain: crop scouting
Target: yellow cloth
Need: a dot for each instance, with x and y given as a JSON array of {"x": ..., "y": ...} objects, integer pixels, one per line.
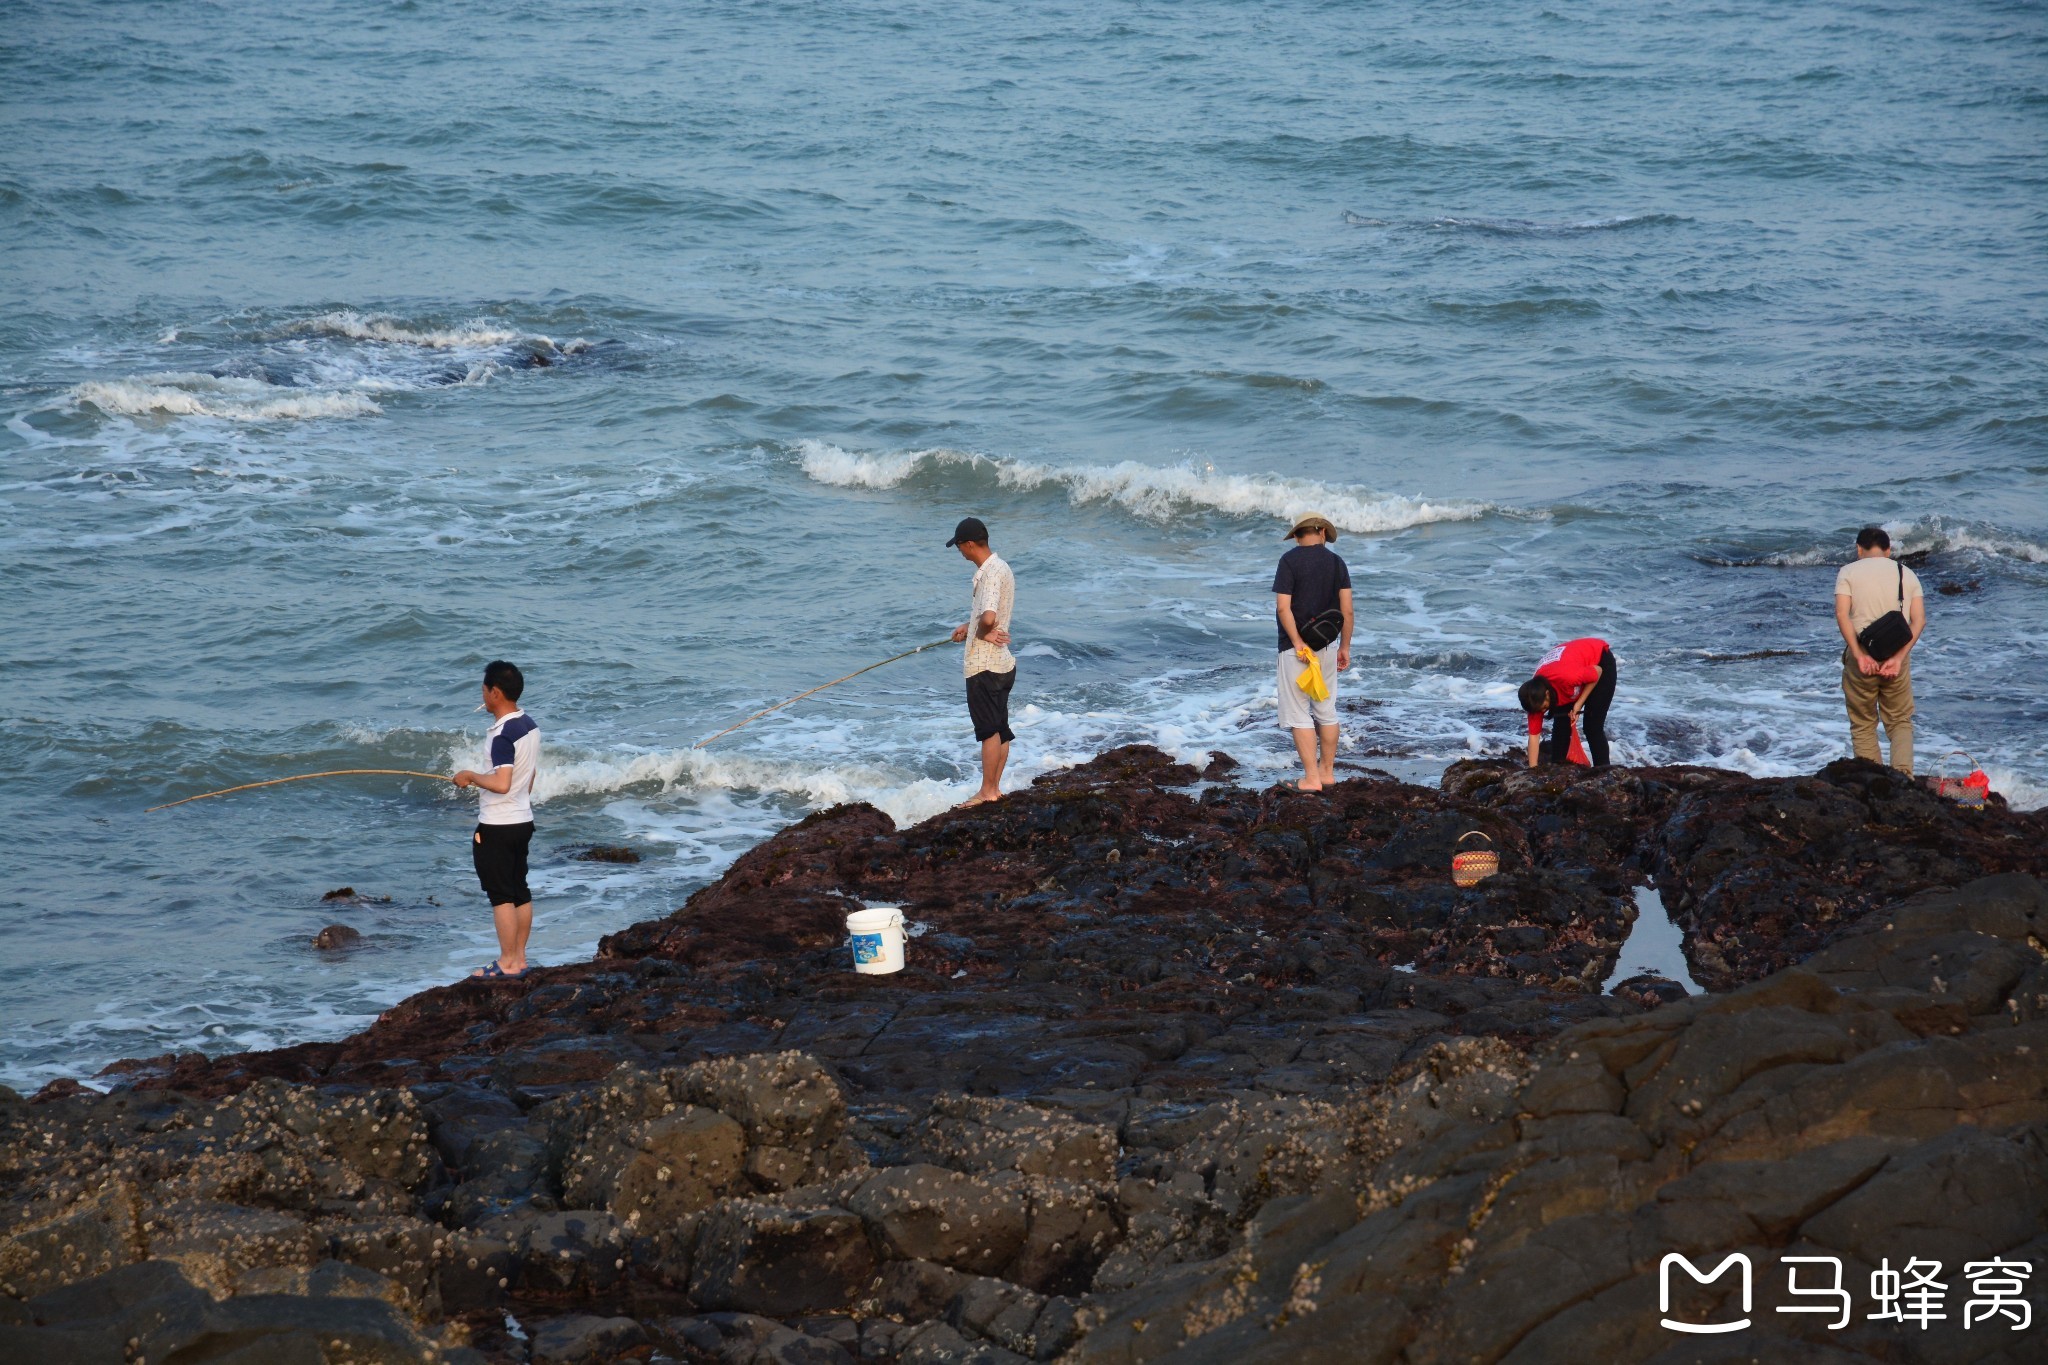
[{"x": 1311, "y": 680}]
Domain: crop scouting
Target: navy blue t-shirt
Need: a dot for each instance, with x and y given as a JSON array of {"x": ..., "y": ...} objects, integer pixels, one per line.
[{"x": 1312, "y": 575}]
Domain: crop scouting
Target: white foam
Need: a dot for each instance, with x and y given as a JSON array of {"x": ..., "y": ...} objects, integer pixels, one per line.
[
  {"x": 237, "y": 400},
  {"x": 829, "y": 464},
  {"x": 1156, "y": 492},
  {"x": 906, "y": 798},
  {"x": 1940, "y": 533},
  {"x": 1524, "y": 227},
  {"x": 358, "y": 327},
  {"x": 2019, "y": 793}
]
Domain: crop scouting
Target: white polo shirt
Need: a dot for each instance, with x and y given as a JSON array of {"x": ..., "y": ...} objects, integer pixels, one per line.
[{"x": 514, "y": 742}]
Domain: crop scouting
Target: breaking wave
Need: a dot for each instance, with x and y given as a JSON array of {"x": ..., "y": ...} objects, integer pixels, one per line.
[
  {"x": 202, "y": 395},
  {"x": 1942, "y": 535},
  {"x": 1936, "y": 535},
  {"x": 355, "y": 326},
  {"x": 567, "y": 772},
  {"x": 1152, "y": 491}
]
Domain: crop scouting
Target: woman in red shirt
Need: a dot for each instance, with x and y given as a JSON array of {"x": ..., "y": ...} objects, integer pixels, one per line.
[{"x": 1575, "y": 681}]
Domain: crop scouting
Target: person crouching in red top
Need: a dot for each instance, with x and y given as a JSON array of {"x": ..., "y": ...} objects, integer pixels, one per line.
[{"x": 1575, "y": 682}]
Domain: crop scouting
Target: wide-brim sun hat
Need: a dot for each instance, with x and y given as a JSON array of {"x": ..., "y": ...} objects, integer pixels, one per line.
[{"x": 1313, "y": 523}]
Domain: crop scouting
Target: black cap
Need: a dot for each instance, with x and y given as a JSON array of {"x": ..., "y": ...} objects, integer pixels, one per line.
[{"x": 970, "y": 528}]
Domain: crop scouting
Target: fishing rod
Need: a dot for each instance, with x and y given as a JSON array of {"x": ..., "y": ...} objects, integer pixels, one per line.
[
  {"x": 443, "y": 777},
  {"x": 820, "y": 688},
  {"x": 303, "y": 777}
]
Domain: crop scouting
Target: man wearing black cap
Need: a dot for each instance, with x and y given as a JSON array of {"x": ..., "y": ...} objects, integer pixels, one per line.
[{"x": 991, "y": 671}]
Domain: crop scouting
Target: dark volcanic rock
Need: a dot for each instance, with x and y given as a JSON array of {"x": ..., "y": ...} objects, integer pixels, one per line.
[
  {"x": 1650, "y": 990},
  {"x": 1175, "y": 1069},
  {"x": 585, "y": 1340},
  {"x": 1758, "y": 872},
  {"x": 153, "y": 1312},
  {"x": 780, "y": 1261},
  {"x": 1100, "y": 927},
  {"x": 1773, "y": 1121},
  {"x": 1763, "y": 873}
]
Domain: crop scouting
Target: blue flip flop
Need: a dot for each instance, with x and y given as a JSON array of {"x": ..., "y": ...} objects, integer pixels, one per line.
[{"x": 494, "y": 971}]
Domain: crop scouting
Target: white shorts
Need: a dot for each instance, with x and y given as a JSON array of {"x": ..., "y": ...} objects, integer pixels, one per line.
[{"x": 1295, "y": 707}]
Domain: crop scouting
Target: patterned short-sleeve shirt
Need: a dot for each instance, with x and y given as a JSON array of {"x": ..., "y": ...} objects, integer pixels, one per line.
[{"x": 995, "y": 589}]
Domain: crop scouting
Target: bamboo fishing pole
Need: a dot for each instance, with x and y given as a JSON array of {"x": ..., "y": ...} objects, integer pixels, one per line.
[{"x": 443, "y": 777}]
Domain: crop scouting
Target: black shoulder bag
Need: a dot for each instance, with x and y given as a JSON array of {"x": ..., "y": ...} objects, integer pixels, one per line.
[
  {"x": 1891, "y": 632},
  {"x": 1322, "y": 629}
]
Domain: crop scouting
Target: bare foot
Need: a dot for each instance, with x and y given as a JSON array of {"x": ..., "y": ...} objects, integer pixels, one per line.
[
  {"x": 976, "y": 800},
  {"x": 1305, "y": 786}
]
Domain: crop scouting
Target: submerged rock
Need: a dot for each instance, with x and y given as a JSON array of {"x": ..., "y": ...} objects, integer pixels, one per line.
[{"x": 337, "y": 936}]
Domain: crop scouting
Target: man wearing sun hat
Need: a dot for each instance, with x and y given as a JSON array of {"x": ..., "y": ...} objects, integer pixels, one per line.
[{"x": 1311, "y": 582}]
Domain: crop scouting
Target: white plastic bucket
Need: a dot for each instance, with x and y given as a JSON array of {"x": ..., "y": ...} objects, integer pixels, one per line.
[{"x": 876, "y": 936}]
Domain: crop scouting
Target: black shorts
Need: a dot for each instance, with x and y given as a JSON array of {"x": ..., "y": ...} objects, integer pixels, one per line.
[
  {"x": 988, "y": 703},
  {"x": 500, "y": 855}
]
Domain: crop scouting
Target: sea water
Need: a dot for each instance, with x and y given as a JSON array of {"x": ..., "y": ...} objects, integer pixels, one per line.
[{"x": 346, "y": 347}]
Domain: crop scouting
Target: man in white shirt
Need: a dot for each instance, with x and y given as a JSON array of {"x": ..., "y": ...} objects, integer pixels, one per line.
[
  {"x": 504, "y": 829},
  {"x": 991, "y": 670},
  {"x": 1878, "y": 688}
]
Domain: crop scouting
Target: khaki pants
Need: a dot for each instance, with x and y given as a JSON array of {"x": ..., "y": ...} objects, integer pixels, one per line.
[{"x": 1871, "y": 699}]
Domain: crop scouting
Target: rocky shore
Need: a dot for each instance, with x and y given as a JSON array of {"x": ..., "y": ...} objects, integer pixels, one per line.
[{"x": 1178, "y": 1070}]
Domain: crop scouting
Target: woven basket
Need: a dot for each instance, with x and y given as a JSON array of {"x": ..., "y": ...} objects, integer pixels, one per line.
[
  {"x": 1470, "y": 869},
  {"x": 1964, "y": 791}
]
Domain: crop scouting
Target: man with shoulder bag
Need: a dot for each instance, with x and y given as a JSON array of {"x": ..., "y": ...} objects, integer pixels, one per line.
[
  {"x": 1312, "y": 598},
  {"x": 1881, "y": 612}
]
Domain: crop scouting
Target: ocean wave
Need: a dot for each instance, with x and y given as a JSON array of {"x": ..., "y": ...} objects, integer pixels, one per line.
[
  {"x": 570, "y": 772},
  {"x": 1155, "y": 492},
  {"x": 1517, "y": 227},
  {"x": 1941, "y": 535},
  {"x": 1774, "y": 559},
  {"x": 2019, "y": 792},
  {"x": 200, "y": 395},
  {"x": 473, "y": 336},
  {"x": 1935, "y": 535}
]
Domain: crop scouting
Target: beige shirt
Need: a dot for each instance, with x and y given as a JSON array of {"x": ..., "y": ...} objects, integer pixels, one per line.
[
  {"x": 995, "y": 589},
  {"x": 1872, "y": 587}
]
